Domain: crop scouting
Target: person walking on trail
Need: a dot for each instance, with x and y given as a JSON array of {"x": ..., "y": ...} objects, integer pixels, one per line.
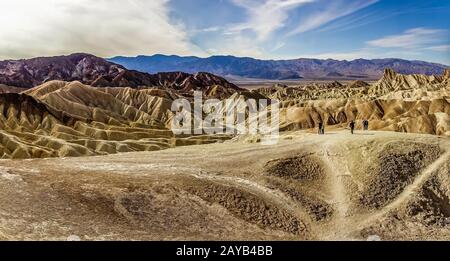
[
  {"x": 323, "y": 129},
  {"x": 352, "y": 126},
  {"x": 320, "y": 128},
  {"x": 366, "y": 125}
]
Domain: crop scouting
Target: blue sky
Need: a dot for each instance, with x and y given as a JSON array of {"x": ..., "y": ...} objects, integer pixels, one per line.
[
  {"x": 268, "y": 29},
  {"x": 342, "y": 29}
]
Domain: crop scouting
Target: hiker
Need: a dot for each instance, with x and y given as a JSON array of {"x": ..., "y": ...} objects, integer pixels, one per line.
[
  {"x": 366, "y": 125},
  {"x": 323, "y": 129},
  {"x": 320, "y": 128},
  {"x": 352, "y": 126}
]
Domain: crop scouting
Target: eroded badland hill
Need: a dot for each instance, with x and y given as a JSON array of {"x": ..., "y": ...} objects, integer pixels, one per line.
[{"x": 87, "y": 150}]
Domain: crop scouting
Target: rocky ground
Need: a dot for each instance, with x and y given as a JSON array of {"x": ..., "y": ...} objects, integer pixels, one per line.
[{"x": 392, "y": 186}]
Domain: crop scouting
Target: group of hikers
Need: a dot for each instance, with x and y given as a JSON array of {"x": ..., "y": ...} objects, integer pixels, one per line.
[{"x": 352, "y": 125}]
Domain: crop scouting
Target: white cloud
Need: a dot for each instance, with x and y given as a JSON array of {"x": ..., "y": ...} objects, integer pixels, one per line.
[
  {"x": 409, "y": 45},
  {"x": 237, "y": 45},
  {"x": 439, "y": 48},
  {"x": 365, "y": 53},
  {"x": 103, "y": 27},
  {"x": 332, "y": 11},
  {"x": 410, "y": 39},
  {"x": 265, "y": 16},
  {"x": 211, "y": 29},
  {"x": 278, "y": 46}
]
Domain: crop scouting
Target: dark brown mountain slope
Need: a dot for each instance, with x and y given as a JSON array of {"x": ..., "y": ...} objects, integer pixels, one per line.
[{"x": 97, "y": 72}]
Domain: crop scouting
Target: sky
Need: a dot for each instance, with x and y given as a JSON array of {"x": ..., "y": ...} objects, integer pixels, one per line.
[{"x": 265, "y": 29}]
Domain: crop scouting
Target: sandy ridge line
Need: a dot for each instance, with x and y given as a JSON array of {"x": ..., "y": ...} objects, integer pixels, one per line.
[{"x": 337, "y": 228}]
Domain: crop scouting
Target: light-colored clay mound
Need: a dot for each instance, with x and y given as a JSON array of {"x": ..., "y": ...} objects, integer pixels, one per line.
[
  {"x": 60, "y": 119},
  {"x": 396, "y": 115},
  {"x": 393, "y": 186},
  {"x": 72, "y": 119},
  {"x": 404, "y": 103}
]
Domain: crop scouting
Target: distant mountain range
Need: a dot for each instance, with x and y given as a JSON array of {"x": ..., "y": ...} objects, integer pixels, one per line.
[
  {"x": 230, "y": 66},
  {"x": 98, "y": 72},
  {"x": 185, "y": 74}
]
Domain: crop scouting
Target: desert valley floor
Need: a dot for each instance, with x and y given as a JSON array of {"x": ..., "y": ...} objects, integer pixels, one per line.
[{"x": 338, "y": 186}]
